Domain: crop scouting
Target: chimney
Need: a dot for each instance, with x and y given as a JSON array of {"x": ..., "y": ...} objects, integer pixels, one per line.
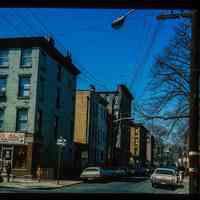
[
  {"x": 69, "y": 56},
  {"x": 50, "y": 40},
  {"x": 92, "y": 88}
]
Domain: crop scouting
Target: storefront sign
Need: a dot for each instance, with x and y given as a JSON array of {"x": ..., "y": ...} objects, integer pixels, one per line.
[{"x": 12, "y": 138}]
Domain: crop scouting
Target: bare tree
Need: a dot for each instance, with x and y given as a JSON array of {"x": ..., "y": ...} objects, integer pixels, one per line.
[{"x": 169, "y": 88}]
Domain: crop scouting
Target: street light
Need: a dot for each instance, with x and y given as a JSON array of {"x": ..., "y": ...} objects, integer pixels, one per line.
[
  {"x": 125, "y": 118},
  {"x": 117, "y": 23},
  {"x": 61, "y": 143}
]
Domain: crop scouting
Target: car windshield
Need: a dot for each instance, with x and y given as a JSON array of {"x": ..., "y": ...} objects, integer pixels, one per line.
[
  {"x": 166, "y": 172},
  {"x": 91, "y": 170}
]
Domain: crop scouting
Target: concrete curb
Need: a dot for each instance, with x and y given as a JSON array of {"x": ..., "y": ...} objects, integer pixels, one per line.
[{"x": 40, "y": 187}]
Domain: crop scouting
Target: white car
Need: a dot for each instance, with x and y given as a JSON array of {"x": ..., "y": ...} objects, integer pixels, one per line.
[
  {"x": 164, "y": 176},
  {"x": 96, "y": 173}
]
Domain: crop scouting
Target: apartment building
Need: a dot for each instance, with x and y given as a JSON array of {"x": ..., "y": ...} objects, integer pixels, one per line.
[
  {"x": 37, "y": 102},
  {"x": 119, "y": 107},
  {"x": 138, "y": 143},
  {"x": 91, "y": 129}
]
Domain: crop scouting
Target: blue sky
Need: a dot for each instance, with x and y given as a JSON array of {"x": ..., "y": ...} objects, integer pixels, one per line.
[{"x": 111, "y": 56}]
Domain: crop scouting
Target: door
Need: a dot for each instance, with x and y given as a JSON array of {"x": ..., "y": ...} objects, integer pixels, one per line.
[{"x": 7, "y": 156}]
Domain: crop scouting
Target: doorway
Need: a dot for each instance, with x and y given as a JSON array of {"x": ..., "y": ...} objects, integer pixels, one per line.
[{"x": 6, "y": 156}]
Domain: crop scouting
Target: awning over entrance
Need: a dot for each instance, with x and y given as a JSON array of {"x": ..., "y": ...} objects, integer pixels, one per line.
[{"x": 16, "y": 138}]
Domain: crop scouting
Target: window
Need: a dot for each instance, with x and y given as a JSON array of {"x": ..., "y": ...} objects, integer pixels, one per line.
[
  {"x": 42, "y": 89},
  {"x": 24, "y": 86},
  {"x": 58, "y": 98},
  {"x": 56, "y": 128},
  {"x": 22, "y": 119},
  {"x": 135, "y": 150},
  {"x": 44, "y": 61},
  {"x": 136, "y": 140},
  {"x": 59, "y": 73},
  {"x": 1, "y": 118},
  {"x": 26, "y": 57},
  {"x": 102, "y": 155},
  {"x": 3, "y": 58},
  {"x": 39, "y": 122},
  {"x": 3, "y": 86}
]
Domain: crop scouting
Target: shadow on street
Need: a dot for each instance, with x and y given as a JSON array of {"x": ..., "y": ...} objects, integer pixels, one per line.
[
  {"x": 168, "y": 187},
  {"x": 119, "y": 179}
]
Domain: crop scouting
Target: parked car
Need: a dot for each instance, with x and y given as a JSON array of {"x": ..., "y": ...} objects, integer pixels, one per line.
[
  {"x": 129, "y": 171},
  {"x": 141, "y": 171},
  {"x": 164, "y": 176},
  {"x": 96, "y": 173},
  {"x": 119, "y": 172}
]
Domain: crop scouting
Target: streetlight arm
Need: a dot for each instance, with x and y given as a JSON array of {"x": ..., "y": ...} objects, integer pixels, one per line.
[
  {"x": 129, "y": 12},
  {"x": 117, "y": 23},
  {"x": 125, "y": 118}
]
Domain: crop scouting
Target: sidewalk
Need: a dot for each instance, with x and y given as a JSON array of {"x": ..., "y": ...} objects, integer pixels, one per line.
[
  {"x": 21, "y": 183},
  {"x": 184, "y": 189}
]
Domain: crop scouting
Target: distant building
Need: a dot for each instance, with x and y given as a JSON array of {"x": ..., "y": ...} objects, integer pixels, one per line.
[
  {"x": 91, "y": 129},
  {"x": 150, "y": 149},
  {"x": 37, "y": 101},
  {"x": 138, "y": 143},
  {"x": 119, "y": 107}
]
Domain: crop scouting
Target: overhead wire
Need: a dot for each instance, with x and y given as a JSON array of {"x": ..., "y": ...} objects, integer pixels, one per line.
[
  {"x": 147, "y": 52},
  {"x": 88, "y": 75}
]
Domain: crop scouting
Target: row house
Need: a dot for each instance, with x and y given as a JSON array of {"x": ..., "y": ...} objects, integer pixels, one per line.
[
  {"x": 37, "y": 102},
  {"x": 91, "y": 130},
  {"x": 139, "y": 144},
  {"x": 119, "y": 109}
]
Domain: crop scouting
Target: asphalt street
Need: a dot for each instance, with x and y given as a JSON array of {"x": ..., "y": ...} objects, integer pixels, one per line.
[{"x": 122, "y": 185}]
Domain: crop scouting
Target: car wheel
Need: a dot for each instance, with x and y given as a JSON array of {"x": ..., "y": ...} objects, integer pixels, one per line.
[{"x": 153, "y": 185}]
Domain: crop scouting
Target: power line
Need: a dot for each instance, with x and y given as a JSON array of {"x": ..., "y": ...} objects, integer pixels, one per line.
[
  {"x": 147, "y": 53},
  {"x": 141, "y": 42},
  {"x": 9, "y": 22},
  {"x": 25, "y": 22}
]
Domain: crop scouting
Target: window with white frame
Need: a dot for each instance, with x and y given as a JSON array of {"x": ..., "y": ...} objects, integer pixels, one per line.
[
  {"x": 24, "y": 86},
  {"x": 4, "y": 58},
  {"x": 1, "y": 118},
  {"x": 22, "y": 119},
  {"x": 26, "y": 57},
  {"x": 3, "y": 80}
]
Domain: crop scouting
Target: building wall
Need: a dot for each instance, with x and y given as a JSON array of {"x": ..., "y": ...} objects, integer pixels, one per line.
[
  {"x": 46, "y": 103},
  {"x": 102, "y": 132},
  {"x": 12, "y": 101},
  {"x": 138, "y": 143},
  {"x": 119, "y": 137},
  {"x": 91, "y": 125},
  {"x": 82, "y": 100}
]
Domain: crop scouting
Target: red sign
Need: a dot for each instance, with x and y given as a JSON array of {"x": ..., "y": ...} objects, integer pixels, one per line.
[{"x": 12, "y": 138}]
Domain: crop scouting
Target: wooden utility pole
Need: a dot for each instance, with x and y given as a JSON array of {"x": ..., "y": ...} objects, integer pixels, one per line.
[{"x": 194, "y": 151}]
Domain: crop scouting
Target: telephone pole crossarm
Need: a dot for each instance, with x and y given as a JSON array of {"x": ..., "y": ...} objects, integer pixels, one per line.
[{"x": 174, "y": 16}]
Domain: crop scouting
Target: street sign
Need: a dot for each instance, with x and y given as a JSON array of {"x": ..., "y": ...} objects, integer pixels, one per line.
[{"x": 61, "y": 141}]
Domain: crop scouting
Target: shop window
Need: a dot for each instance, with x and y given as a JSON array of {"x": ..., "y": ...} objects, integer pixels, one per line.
[
  {"x": 26, "y": 57},
  {"x": 3, "y": 58},
  {"x": 20, "y": 157}
]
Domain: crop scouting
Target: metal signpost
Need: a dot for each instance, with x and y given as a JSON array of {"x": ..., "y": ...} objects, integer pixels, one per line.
[{"x": 61, "y": 142}]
